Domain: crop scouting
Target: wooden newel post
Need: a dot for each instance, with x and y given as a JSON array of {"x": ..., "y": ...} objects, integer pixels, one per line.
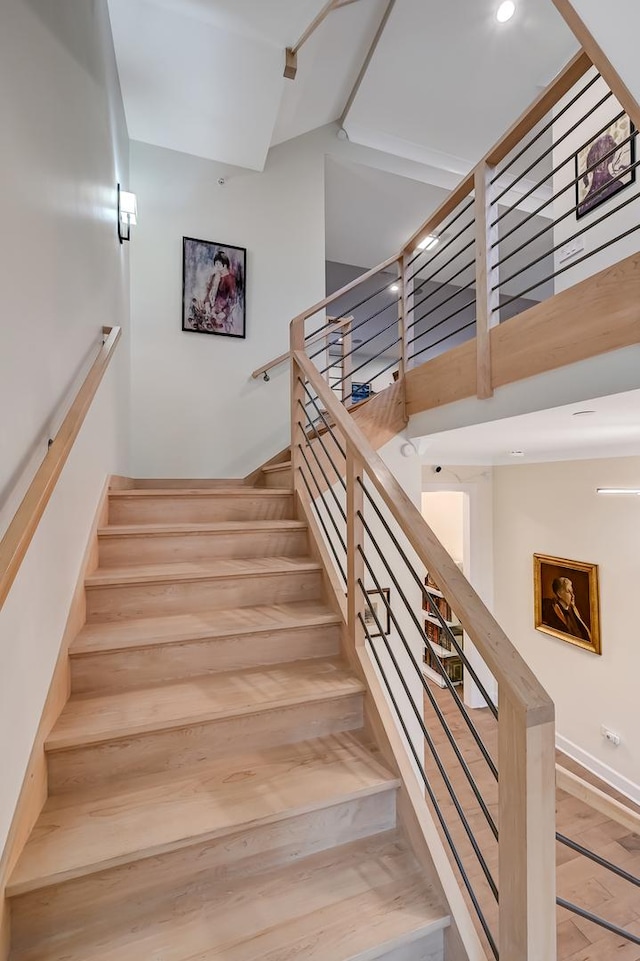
[
  {"x": 527, "y": 863},
  {"x": 297, "y": 394},
  {"x": 487, "y": 299},
  {"x": 355, "y": 537}
]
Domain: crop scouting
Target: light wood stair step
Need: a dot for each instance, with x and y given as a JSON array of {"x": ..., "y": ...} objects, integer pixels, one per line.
[
  {"x": 154, "y": 814},
  {"x": 199, "y": 506},
  {"x": 127, "y": 544},
  {"x": 93, "y": 720},
  {"x": 189, "y": 586},
  {"x": 277, "y": 475},
  {"x": 356, "y": 902},
  {"x": 119, "y": 735},
  {"x": 120, "y": 655}
]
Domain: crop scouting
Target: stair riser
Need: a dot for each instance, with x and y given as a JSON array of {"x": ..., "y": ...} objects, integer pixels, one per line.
[
  {"x": 126, "y": 670},
  {"x": 123, "y": 892},
  {"x": 199, "y": 510},
  {"x": 112, "y": 602},
  {"x": 121, "y": 551},
  {"x": 429, "y": 948},
  {"x": 171, "y": 750},
  {"x": 278, "y": 478}
]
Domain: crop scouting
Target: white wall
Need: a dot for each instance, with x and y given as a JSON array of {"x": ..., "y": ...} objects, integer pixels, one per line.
[
  {"x": 196, "y": 413},
  {"x": 63, "y": 275},
  {"x": 444, "y": 512},
  {"x": 553, "y": 509}
]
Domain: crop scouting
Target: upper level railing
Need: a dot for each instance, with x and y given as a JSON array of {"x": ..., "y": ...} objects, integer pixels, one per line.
[
  {"x": 507, "y": 238},
  {"x": 19, "y": 534}
]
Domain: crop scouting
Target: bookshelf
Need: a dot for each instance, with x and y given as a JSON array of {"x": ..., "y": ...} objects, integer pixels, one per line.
[{"x": 447, "y": 658}]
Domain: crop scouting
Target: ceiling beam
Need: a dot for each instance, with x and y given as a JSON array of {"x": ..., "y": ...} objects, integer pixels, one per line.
[
  {"x": 367, "y": 61},
  {"x": 291, "y": 53}
]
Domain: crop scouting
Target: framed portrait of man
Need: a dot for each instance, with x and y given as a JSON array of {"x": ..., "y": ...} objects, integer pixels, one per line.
[{"x": 567, "y": 601}]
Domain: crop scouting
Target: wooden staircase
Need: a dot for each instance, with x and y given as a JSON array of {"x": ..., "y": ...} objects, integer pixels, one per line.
[{"x": 212, "y": 791}]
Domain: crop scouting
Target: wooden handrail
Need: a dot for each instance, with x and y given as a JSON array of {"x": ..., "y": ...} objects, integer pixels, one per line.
[
  {"x": 350, "y": 286},
  {"x": 19, "y": 534},
  {"x": 501, "y": 657},
  {"x": 550, "y": 96},
  {"x": 335, "y": 322}
]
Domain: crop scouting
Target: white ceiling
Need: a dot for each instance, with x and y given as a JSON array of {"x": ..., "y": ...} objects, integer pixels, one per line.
[
  {"x": 205, "y": 76},
  {"x": 613, "y": 430}
]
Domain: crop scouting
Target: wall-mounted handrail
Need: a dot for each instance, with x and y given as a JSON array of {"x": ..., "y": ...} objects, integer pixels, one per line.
[{"x": 19, "y": 534}]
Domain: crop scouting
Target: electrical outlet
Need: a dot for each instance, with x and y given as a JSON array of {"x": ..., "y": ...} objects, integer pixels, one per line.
[
  {"x": 571, "y": 249},
  {"x": 610, "y": 735}
]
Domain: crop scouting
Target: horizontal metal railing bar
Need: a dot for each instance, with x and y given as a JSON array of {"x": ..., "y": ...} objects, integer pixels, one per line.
[
  {"x": 361, "y": 303},
  {"x": 459, "y": 649},
  {"x": 459, "y": 290},
  {"x": 568, "y": 906},
  {"x": 544, "y": 129},
  {"x": 597, "y": 859},
  {"x": 346, "y": 289},
  {"x": 443, "y": 283},
  {"x": 564, "y": 163},
  {"x": 446, "y": 337},
  {"x": 366, "y": 362},
  {"x": 574, "y": 263},
  {"x": 446, "y": 208},
  {"x": 321, "y": 442},
  {"x": 321, "y": 493},
  {"x": 329, "y": 428},
  {"x": 556, "y": 143},
  {"x": 330, "y": 486},
  {"x": 437, "y": 253},
  {"x": 434, "y": 751},
  {"x": 550, "y": 200},
  {"x": 425, "y": 280},
  {"x": 412, "y": 340},
  {"x": 394, "y": 323},
  {"x": 443, "y": 229},
  {"x": 361, "y": 323},
  {"x": 324, "y": 528},
  {"x": 450, "y": 686},
  {"x": 432, "y": 700},
  {"x": 432, "y": 797},
  {"x": 527, "y": 697},
  {"x": 567, "y": 240},
  {"x": 550, "y": 226}
]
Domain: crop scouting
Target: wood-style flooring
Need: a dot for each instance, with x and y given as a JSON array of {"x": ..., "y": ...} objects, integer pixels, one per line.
[{"x": 579, "y": 880}]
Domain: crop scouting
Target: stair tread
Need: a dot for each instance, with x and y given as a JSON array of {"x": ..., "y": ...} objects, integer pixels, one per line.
[
  {"x": 203, "y": 625},
  {"x": 102, "y": 827},
  {"x": 94, "y": 719},
  {"x": 215, "y": 492},
  {"x": 200, "y": 570},
  {"x": 283, "y": 465},
  {"x": 345, "y": 904},
  {"x": 217, "y": 527}
]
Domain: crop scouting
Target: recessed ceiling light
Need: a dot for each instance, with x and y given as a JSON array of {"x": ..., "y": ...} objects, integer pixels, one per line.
[
  {"x": 618, "y": 490},
  {"x": 505, "y": 11},
  {"x": 394, "y": 288},
  {"x": 517, "y": 453},
  {"x": 428, "y": 242},
  {"x": 582, "y": 413}
]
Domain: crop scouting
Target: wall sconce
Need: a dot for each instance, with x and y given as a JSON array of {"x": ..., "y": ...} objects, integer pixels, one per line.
[{"x": 127, "y": 214}]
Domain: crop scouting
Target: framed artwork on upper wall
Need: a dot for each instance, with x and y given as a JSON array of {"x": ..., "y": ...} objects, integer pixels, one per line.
[
  {"x": 567, "y": 601},
  {"x": 605, "y": 165},
  {"x": 214, "y": 283}
]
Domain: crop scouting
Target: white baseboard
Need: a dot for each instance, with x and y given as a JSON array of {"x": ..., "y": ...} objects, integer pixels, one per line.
[{"x": 601, "y": 770}]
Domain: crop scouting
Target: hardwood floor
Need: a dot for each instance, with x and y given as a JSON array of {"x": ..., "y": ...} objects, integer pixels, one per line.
[{"x": 580, "y": 880}]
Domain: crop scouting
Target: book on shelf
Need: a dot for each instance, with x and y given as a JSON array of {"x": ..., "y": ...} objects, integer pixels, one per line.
[{"x": 451, "y": 666}]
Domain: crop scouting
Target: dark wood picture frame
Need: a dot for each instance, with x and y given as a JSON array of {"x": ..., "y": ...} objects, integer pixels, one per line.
[
  {"x": 568, "y": 611},
  {"x": 597, "y": 180},
  {"x": 214, "y": 284},
  {"x": 381, "y": 610}
]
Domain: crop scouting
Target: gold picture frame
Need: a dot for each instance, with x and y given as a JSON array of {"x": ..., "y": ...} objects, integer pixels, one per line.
[{"x": 567, "y": 601}]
